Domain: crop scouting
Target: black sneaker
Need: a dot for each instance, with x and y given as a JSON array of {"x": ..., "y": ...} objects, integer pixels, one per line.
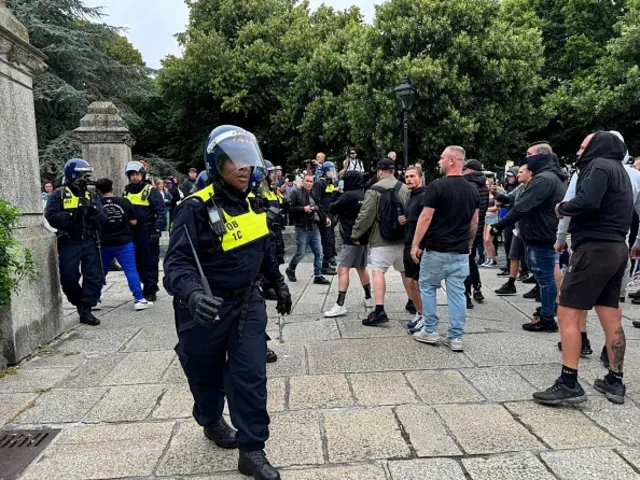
[
  {"x": 375, "y": 319},
  {"x": 613, "y": 391},
  {"x": 530, "y": 280},
  {"x": 88, "y": 318},
  {"x": 503, "y": 273},
  {"x": 469, "y": 302},
  {"x": 410, "y": 307},
  {"x": 481, "y": 260},
  {"x": 585, "y": 351},
  {"x": 321, "y": 281},
  {"x": 623, "y": 300},
  {"x": 291, "y": 275},
  {"x": 541, "y": 325},
  {"x": 151, "y": 297},
  {"x": 635, "y": 301},
  {"x": 477, "y": 296},
  {"x": 604, "y": 357},
  {"x": 522, "y": 277},
  {"x": 635, "y": 294},
  {"x": 271, "y": 356},
  {"x": 221, "y": 434},
  {"x": 507, "y": 289},
  {"x": 536, "y": 314},
  {"x": 533, "y": 293},
  {"x": 333, "y": 263},
  {"x": 559, "y": 393},
  {"x": 329, "y": 271},
  {"x": 636, "y": 323},
  {"x": 255, "y": 464}
]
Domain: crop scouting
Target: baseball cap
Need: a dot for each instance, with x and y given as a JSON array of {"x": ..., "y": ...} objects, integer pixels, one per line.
[
  {"x": 509, "y": 172},
  {"x": 386, "y": 164},
  {"x": 473, "y": 164}
]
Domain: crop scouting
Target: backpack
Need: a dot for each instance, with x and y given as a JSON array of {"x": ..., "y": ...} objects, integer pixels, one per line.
[{"x": 389, "y": 209}]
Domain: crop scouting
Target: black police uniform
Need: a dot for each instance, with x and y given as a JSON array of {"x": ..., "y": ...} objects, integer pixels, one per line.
[
  {"x": 324, "y": 189},
  {"x": 275, "y": 221},
  {"x": 227, "y": 357},
  {"x": 149, "y": 207},
  {"x": 77, "y": 223}
]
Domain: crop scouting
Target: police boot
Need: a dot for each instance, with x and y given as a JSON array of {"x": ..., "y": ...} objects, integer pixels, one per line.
[
  {"x": 271, "y": 356},
  {"x": 256, "y": 464},
  {"x": 87, "y": 317},
  {"x": 221, "y": 433}
]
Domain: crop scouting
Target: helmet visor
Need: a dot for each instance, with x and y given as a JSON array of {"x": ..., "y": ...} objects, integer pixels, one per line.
[
  {"x": 331, "y": 173},
  {"x": 238, "y": 147}
]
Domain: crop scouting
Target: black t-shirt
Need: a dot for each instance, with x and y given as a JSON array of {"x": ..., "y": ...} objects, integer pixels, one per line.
[
  {"x": 117, "y": 231},
  {"x": 454, "y": 200}
]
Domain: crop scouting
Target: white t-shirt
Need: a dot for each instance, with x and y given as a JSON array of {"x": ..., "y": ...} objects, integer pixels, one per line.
[{"x": 354, "y": 165}]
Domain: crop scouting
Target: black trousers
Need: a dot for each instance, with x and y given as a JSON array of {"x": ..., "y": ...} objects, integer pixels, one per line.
[
  {"x": 220, "y": 361},
  {"x": 328, "y": 237},
  {"x": 76, "y": 258},
  {"x": 147, "y": 258},
  {"x": 507, "y": 235},
  {"x": 473, "y": 280}
]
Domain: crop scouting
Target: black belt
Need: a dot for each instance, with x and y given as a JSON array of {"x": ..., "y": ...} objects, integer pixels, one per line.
[{"x": 234, "y": 294}]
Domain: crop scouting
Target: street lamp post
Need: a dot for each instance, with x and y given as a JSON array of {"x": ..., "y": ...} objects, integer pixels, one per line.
[{"x": 406, "y": 96}]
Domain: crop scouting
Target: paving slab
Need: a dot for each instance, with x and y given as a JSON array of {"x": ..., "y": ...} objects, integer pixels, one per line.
[
  {"x": 437, "y": 387},
  {"x": 103, "y": 451},
  {"x": 499, "y": 384},
  {"x": 308, "y": 331},
  {"x": 590, "y": 464},
  {"x": 363, "y": 434},
  {"x": 620, "y": 420},
  {"x": 387, "y": 388},
  {"x": 92, "y": 371},
  {"x": 510, "y": 466},
  {"x": 291, "y": 361},
  {"x": 13, "y": 403},
  {"x": 97, "y": 340},
  {"x": 432, "y": 469},
  {"x": 493, "y": 349},
  {"x": 54, "y": 360},
  {"x": 295, "y": 439},
  {"x": 276, "y": 394},
  {"x": 126, "y": 403},
  {"x": 319, "y": 391},
  {"x": 309, "y": 317},
  {"x": 486, "y": 429},
  {"x": 356, "y": 472},
  {"x": 379, "y": 354},
  {"x": 561, "y": 428},
  {"x": 152, "y": 339},
  {"x": 426, "y": 432},
  {"x": 62, "y": 406},
  {"x": 33, "y": 381},
  {"x": 139, "y": 367},
  {"x": 351, "y": 329},
  {"x": 191, "y": 453},
  {"x": 176, "y": 402},
  {"x": 174, "y": 373},
  {"x": 631, "y": 455}
]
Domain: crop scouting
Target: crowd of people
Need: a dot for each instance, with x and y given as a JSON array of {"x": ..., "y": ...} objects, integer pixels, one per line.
[{"x": 568, "y": 236}]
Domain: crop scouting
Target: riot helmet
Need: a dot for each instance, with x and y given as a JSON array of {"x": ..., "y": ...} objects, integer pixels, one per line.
[
  {"x": 136, "y": 167},
  {"x": 228, "y": 143},
  {"x": 202, "y": 180},
  {"x": 329, "y": 170},
  {"x": 75, "y": 169}
]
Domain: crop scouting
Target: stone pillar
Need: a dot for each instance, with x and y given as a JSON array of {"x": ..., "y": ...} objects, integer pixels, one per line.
[
  {"x": 35, "y": 314},
  {"x": 106, "y": 143}
]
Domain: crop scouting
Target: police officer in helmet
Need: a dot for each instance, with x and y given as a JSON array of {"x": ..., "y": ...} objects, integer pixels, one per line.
[
  {"x": 149, "y": 207},
  {"x": 324, "y": 189},
  {"x": 77, "y": 215},
  {"x": 221, "y": 318}
]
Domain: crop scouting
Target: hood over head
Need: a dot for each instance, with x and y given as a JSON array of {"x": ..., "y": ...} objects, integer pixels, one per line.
[
  {"x": 353, "y": 180},
  {"x": 546, "y": 162},
  {"x": 479, "y": 178},
  {"x": 603, "y": 145}
]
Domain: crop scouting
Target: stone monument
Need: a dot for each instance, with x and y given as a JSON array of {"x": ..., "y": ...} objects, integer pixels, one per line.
[
  {"x": 106, "y": 143},
  {"x": 35, "y": 314}
]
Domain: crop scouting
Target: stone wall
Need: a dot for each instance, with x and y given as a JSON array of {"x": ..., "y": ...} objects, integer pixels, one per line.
[{"x": 35, "y": 314}]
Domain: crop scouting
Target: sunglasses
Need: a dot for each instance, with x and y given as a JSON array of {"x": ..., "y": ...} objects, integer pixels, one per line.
[{"x": 352, "y": 153}]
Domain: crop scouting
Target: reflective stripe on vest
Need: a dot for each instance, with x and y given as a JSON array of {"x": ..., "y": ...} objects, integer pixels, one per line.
[
  {"x": 70, "y": 201},
  {"x": 241, "y": 229},
  {"x": 141, "y": 198}
]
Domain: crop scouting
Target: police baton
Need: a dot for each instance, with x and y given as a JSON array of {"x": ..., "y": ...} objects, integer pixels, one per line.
[{"x": 205, "y": 282}]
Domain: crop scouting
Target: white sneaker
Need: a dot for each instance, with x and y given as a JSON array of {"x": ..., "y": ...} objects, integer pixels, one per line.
[
  {"x": 336, "y": 311},
  {"x": 143, "y": 304},
  {"x": 454, "y": 344},
  {"x": 368, "y": 302},
  {"x": 415, "y": 321},
  {"x": 424, "y": 337}
]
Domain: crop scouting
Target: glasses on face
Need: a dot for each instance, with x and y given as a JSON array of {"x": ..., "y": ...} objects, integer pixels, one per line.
[{"x": 353, "y": 154}]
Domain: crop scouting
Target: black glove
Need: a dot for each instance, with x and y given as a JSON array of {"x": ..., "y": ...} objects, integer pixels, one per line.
[
  {"x": 203, "y": 307},
  {"x": 283, "y": 307},
  {"x": 496, "y": 230}
]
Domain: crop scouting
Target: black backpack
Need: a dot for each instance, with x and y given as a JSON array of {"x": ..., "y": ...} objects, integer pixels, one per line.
[{"x": 389, "y": 209}]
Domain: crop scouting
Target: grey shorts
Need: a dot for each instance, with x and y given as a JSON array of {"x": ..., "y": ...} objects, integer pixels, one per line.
[{"x": 353, "y": 256}]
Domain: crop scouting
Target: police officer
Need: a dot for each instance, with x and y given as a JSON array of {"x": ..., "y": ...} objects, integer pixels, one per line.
[
  {"x": 324, "y": 188},
  {"x": 221, "y": 336},
  {"x": 77, "y": 215},
  {"x": 149, "y": 206}
]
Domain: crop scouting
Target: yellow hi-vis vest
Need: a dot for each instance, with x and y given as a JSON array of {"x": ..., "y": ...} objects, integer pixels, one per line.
[
  {"x": 70, "y": 201},
  {"x": 241, "y": 229},
  {"x": 329, "y": 188},
  {"x": 141, "y": 198}
]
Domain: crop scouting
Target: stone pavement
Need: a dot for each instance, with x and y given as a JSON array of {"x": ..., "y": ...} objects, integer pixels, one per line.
[{"x": 346, "y": 401}]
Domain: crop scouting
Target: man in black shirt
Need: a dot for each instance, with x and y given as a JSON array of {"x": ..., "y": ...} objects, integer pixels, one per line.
[
  {"x": 443, "y": 239},
  {"x": 117, "y": 239}
]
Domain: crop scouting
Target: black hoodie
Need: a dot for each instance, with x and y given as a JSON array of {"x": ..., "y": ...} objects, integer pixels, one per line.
[
  {"x": 535, "y": 208},
  {"x": 480, "y": 181},
  {"x": 602, "y": 209},
  {"x": 347, "y": 205},
  {"x": 413, "y": 211}
]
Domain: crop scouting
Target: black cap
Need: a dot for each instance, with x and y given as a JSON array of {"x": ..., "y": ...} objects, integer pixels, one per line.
[
  {"x": 473, "y": 164},
  {"x": 386, "y": 164}
]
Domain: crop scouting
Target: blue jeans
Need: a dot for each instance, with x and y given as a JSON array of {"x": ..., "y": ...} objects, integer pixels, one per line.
[
  {"x": 304, "y": 240},
  {"x": 126, "y": 256},
  {"x": 453, "y": 268},
  {"x": 542, "y": 262}
]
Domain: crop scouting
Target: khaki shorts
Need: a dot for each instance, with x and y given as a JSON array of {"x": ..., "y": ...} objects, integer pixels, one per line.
[{"x": 386, "y": 256}]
